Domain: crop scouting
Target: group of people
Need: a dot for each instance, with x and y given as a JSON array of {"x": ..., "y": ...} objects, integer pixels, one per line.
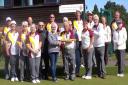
[{"x": 32, "y": 51}]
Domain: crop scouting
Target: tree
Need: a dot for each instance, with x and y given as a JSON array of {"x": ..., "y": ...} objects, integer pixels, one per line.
[{"x": 95, "y": 11}]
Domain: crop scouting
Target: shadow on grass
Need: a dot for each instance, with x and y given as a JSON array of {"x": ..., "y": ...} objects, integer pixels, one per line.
[
  {"x": 1, "y": 73},
  {"x": 109, "y": 70},
  {"x": 60, "y": 72}
]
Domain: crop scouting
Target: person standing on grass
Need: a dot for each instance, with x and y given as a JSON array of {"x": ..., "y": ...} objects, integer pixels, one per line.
[
  {"x": 13, "y": 50},
  {"x": 6, "y": 29},
  {"x": 117, "y": 17},
  {"x": 62, "y": 29},
  {"x": 119, "y": 41},
  {"x": 107, "y": 38},
  {"x": 68, "y": 39},
  {"x": 52, "y": 19},
  {"x": 23, "y": 60},
  {"x": 48, "y": 28},
  {"x": 34, "y": 43},
  {"x": 87, "y": 46},
  {"x": 44, "y": 68},
  {"x": 99, "y": 46},
  {"x": 53, "y": 49},
  {"x": 78, "y": 26},
  {"x": 90, "y": 25}
]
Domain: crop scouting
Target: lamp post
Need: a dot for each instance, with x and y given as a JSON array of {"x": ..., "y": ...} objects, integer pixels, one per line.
[
  {"x": 30, "y": 2},
  {"x": 84, "y": 9}
]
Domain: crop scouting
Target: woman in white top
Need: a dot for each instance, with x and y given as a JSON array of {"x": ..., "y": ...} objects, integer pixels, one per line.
[
  {"x": 119, "y": 41},
  {"x": 107, "y": 38},
  {"x": 87, "y": 46},
  {"x": 13, "y": 50},
  {"x": 34, "y": 44}
]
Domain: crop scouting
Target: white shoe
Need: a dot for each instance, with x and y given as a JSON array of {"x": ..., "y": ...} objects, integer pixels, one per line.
[
  {"x": 120, "y": 75},
  {"x": 82, "y": 65},
  {"x": 86, "y": 77},
  {"x": 16, "y": 79},
  {"x": 83, "y": 76},
  {"x": 34, "y": 81},
  {"x": 12, "y": 79},
  {"x": 37, "y": 81}
]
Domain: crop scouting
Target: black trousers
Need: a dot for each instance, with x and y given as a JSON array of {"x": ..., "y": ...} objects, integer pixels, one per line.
[{"x": 44, "y": 66}]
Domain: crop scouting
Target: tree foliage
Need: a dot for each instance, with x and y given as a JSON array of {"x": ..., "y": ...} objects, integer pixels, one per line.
[{"x": 96, "y": 11}]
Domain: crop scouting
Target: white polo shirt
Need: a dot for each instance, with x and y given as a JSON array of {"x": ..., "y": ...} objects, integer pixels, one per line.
[
  {"x": 34, "y": 41},
  {"x": 12, "y": 38},
  {"x": 86, "y": 37},
  {"x": 90, "y": 24},
  {"x": 119, "y": 39},
  {"x": 99, "y": 35}
]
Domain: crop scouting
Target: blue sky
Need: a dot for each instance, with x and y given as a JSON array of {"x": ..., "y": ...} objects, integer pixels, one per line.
[{"x": 100, "y": 3}]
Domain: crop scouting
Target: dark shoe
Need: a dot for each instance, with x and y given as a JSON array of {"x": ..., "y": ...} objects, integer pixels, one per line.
[
  {"x": 116, "y": 64},
  {"x": 67, "y": 77},
  {"x": 45, "y": 77},
  {"x": 102, "y": 76},
  {"x": 21, "y": 80},
  {"x": 78, "y": 75},
  {"x": 72, "y": 77},
  {"x": 6, "y": 77},
  {"x": 55, "y": 80}
]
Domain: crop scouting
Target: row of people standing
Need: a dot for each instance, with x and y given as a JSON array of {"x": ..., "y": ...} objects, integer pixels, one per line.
[
  {"x": 82, "y": 38},
  {"x": 92, "y": 38}
]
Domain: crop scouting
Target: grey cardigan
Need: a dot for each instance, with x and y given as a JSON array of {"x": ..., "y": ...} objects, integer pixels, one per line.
[{"x": 53, "y": 43}]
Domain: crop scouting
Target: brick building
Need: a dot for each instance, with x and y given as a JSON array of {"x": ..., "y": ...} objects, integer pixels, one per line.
[{"x": 38, "y": 9}]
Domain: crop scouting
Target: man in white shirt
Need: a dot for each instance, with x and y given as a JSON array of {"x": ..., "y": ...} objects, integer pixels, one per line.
[
  {"x": 78, "y": 26},
  {"x": 99, "y": 46},
  {"x": 90, "y": 25}
]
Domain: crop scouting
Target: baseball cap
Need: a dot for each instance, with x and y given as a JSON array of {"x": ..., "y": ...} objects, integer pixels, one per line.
[
  {"x": 13, "y": 22},
  {"x": 8, "y": 19},
  {"x": 89, "y": 13}
]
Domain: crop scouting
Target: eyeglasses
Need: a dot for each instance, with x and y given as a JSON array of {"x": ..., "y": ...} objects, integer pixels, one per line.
[
  {"x": 53, "y": 27},
  {"x": 52, "y": 17},
  {"x": 96, "y": 19},
  {"x": 41, "y": 25}
]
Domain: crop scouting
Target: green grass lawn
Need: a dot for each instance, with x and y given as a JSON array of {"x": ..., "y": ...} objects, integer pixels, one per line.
[{"x": 111, "y": 78}]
